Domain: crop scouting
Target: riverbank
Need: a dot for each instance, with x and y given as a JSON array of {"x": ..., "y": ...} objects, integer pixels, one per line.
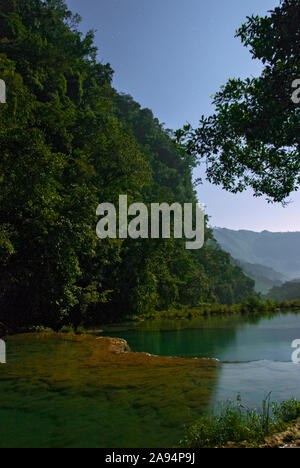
[
  {"x": 288, "y": 439},
  {"x": 234, "y": 425},
  {"x": 252, "y": 307}
]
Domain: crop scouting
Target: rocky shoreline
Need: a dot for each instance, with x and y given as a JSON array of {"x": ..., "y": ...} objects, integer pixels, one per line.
[
  {"x": 290, "y": 438},
  {"x": 287, "y": 439}
]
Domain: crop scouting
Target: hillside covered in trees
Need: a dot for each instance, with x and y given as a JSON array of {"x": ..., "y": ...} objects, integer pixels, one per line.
[
  {"x": 276, "y": 250},
  {"x": 69, "y": 141},
  {"x": 288, "y": 291}
]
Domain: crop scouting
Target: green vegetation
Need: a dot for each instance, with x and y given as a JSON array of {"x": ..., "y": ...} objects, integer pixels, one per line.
[
  {"x": 69, "y": 141},
  {"x": 289, "y": 291},
  {"x": 252, "y": 139},
  {"x": 265, "y": 278},
  {"x": 40, "y": 329},
  {"x": 235, "y": 423},
  {"x": 69, "y": 329},
  {"x": 252, "y": 307},
  {"x": 287, "y": 411}
]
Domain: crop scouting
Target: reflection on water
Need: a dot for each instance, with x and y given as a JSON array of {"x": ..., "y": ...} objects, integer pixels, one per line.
[
  {"x": 256, "y": 353},
  {"x": 254, "y": 380},
  {"x": 234, "y": 339}
]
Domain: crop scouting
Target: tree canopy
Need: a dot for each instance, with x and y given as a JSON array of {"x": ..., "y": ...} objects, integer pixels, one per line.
[
  {"x": 252, "y": 139},
  {"x": 69, "y": 141}
]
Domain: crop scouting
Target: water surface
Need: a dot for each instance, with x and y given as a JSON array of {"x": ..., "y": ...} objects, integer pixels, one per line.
[
  {"x": 66, "y": 391},
  {"x": 255, "y": 353},
  {"x": 62, "y": 392}
]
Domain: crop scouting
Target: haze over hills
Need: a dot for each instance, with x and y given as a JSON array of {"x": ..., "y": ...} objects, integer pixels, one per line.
[
  {"x": 265, "y": 277},
  {"x": 271, "y": 258}
]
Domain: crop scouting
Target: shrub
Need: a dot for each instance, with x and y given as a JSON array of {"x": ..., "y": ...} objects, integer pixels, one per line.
[
  {"x": 68, "y": 329},
  {"x": 235, "y": 423},
  {"x": 40, "y": 329},
  {"x": 287, "y": 411}
]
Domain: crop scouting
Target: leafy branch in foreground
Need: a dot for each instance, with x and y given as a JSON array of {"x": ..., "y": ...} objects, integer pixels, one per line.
[{"x": 252, "y": 139}]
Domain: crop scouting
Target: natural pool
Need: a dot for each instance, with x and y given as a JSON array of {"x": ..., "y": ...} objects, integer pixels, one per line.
[
  {"x": 255, "y": 353},
  {"x": 68, "y": 391},
  {"x": 64, "y": 391}
]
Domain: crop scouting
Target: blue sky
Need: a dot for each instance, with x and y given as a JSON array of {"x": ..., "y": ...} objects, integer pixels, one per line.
[{"x": 171, "y": 55}]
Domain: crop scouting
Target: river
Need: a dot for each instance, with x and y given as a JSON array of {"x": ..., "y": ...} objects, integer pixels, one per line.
[
  {"x": 255, "y": 353},
  {"x": 57, "y": 392}
]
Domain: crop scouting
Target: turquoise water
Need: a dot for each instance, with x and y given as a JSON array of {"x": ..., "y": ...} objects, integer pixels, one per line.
[
  {"x": 58, "y": 391},
  {"x": 255, "y": 354}
]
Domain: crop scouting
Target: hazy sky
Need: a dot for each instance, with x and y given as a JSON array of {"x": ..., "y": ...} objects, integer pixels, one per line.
[{"x": 171, "y": 55}]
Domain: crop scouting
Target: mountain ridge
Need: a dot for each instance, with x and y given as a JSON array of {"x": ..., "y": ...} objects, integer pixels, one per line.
[{"x": 276, "y": 250}]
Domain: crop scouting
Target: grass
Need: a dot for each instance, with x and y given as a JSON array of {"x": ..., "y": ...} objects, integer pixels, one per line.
[{"x": 235, "y": 423}]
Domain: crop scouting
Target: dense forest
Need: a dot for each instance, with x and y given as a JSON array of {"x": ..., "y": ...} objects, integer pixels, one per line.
[{"x": 69, "y": 141}]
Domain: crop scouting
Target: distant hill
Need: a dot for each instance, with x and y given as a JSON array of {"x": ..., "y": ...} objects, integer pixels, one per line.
[
  {"x": 277, "y": 250},
  {"x": 286, "y": 292},
  {"x": 265, "y": 277}
]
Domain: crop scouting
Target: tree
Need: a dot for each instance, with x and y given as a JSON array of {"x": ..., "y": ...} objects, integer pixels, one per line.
[
  {"x": 69, "y": 141},
  {"x": 253, "y": 139},
  {"x": 288, "y": 291}
]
